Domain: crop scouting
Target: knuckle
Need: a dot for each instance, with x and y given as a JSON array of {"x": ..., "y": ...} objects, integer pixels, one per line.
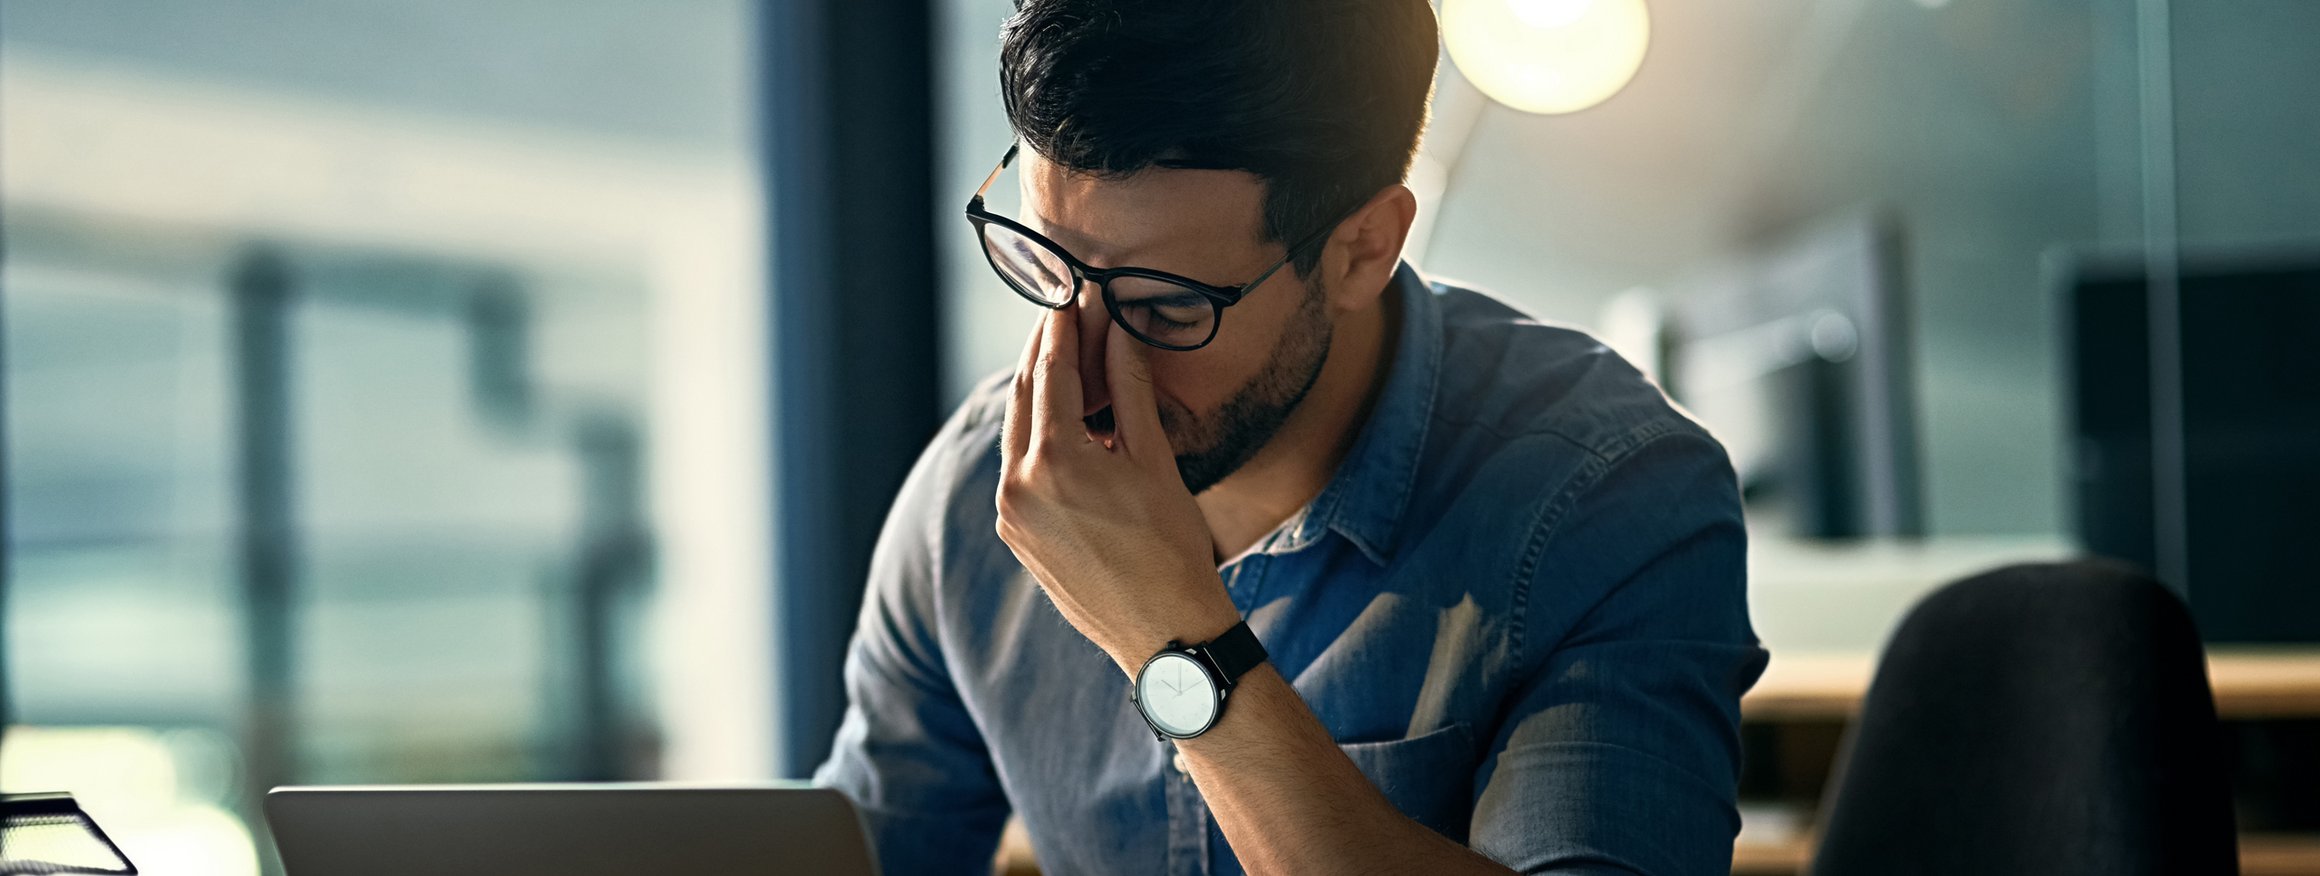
[
  {"x": 1016, "y": 490},
  {"x": 1006, "y": 521}
]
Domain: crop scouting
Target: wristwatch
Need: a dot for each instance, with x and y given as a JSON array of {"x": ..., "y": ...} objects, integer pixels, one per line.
[{"x": 1181, "y": 690}]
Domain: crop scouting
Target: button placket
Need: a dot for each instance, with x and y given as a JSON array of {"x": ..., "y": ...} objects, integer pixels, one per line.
[{"x": 1187, "y": 824}]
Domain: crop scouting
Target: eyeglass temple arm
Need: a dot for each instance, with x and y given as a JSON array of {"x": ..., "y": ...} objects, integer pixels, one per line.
[
  {"x": 1004, "y": 160},
  {"x": 1317, "y": 236}
]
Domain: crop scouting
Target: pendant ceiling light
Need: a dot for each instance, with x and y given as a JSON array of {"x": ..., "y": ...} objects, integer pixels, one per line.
[{"x": 1547, "y": 56}]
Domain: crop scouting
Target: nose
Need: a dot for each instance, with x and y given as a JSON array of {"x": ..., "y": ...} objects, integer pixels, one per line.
[{"x": 1095, "y": 331}]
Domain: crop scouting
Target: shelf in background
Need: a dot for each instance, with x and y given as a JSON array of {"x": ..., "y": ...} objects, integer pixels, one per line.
[
  {"x": 2279, "y": 854},
  {"x": 2260, "y": 854}
]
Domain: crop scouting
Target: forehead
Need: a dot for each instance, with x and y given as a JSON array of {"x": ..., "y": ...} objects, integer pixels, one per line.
[{"x": 1153, "y": 218}]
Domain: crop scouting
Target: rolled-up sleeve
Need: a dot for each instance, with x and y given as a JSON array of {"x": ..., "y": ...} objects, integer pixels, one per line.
[
  {"x": 1619, "y": 752},
  {"x": 907, "y": 752}
]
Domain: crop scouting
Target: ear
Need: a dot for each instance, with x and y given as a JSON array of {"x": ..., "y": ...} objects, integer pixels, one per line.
[{"x": 1367, "y": 248}]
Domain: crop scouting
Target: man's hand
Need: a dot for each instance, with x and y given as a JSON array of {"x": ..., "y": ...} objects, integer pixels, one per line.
[
  {"x": 1123, "y": 551},
  {"x": 1106, "y": 526}
]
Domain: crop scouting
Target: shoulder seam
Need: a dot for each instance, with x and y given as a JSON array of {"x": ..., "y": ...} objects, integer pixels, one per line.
[
  {"x": 1550, "y": 514},
  {"x": 1613, "y": 451}
]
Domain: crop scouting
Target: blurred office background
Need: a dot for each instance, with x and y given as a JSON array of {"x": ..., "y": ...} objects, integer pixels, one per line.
[
  {"x": 429, "y": 391},
  {"x": 384, "y": 402}
]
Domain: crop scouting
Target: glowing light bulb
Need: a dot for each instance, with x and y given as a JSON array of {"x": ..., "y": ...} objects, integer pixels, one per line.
[{"x": 1547, "y": 56}]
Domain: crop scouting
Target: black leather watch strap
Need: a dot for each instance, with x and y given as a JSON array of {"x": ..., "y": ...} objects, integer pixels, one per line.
[{"x": 1233, "y": 654}]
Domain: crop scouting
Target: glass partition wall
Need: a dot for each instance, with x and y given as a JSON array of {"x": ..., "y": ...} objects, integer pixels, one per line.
[{"x": 378, "y": 410}]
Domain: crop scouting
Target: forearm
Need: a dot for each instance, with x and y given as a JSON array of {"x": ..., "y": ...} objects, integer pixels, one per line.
[{"x": 1290, "y": 802}]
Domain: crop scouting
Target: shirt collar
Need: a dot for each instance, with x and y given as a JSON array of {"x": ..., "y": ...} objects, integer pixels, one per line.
[{"x": 1365, "y": 497}]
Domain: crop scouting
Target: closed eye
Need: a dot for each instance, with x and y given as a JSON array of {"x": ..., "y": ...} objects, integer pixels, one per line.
[{"x": 1176, "y": 311}]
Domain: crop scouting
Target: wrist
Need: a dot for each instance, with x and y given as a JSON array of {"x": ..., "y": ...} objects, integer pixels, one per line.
[{"x": 1196, "y": 621}]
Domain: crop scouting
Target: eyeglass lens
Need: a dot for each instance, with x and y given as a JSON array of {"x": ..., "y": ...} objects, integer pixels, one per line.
[{"x": 1157, "y": 311}]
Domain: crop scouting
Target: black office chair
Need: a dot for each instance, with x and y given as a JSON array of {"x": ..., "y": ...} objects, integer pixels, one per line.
[{"x": 2038, "y": 719}]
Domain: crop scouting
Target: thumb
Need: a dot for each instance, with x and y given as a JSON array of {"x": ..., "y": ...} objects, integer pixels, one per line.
[{"x": 1135, "y": 410}]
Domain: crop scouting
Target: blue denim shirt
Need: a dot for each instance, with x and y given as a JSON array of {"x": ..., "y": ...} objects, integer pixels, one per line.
[{"x": 1518, "y": 606}]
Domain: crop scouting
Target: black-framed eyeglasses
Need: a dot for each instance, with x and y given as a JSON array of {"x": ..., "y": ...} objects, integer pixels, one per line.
[{"x": 1159, "y": 308}]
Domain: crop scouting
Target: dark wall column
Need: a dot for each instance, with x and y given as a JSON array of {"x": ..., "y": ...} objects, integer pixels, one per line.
[
  {"x": 262, "y": 295},
  {"x": 7, "y": 564},
  {"x": 848, "y": 146}
]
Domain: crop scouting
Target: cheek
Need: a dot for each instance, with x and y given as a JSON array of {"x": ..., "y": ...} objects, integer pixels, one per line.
[
  {"x": 1181, "y": 380},
  {"x": 1201, "y": 381}
]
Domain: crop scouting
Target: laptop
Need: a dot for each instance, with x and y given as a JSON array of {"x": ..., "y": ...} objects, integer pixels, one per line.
[{"x": 567, "y": 829}]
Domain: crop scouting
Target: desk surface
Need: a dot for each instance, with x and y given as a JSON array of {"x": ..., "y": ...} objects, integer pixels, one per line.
[{"x": 2249, "y": 682}]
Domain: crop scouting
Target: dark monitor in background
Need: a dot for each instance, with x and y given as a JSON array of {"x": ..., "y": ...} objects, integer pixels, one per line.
[
  {"x": 1798, "y": 359},
  {"x": 2250, "y": 333}
]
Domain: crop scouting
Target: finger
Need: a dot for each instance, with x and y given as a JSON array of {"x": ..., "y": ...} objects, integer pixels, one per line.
[
  {"x": 1015, "y": 432},
  {"x": 1135, "y": 408},
  {"x": 1055, "y": 386}
]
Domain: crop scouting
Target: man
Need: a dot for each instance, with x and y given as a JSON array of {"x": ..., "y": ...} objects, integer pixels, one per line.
[{"x": 1400, "y": 580}]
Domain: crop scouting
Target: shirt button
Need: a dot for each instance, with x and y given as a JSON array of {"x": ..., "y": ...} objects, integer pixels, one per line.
[{"x": 1182, "y": 768}]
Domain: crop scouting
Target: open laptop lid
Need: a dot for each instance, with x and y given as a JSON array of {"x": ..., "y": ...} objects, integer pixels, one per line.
[{"x": 570, "y": 829}]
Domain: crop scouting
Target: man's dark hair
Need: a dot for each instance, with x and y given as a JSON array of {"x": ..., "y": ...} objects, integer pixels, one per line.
[{"x": 1321, "y": 99}]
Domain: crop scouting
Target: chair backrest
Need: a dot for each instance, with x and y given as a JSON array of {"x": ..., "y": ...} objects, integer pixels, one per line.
[{"x": 2048, "y": 719}]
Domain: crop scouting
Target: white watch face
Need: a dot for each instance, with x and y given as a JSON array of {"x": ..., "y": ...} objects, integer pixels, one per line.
[{"x": 1176, "y": 695}]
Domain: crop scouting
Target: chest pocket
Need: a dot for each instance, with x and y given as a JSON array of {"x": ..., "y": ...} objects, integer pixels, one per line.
[{"x": 1429, "y": 777}]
